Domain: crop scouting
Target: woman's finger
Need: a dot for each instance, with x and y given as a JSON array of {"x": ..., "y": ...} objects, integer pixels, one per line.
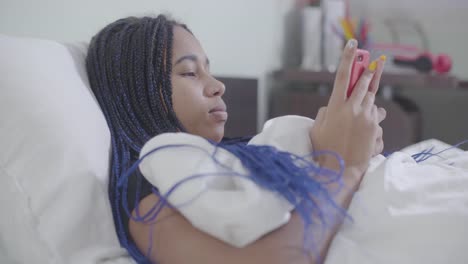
[
  {"x": 379, "y": 143},
  {"x": 381, "y": 114},
  {"x": 338, "y": 96},
  {"x": 321, "y": 115},
  {"x": 362, "y": 86},
  {"x": 379, "y": 133},
  {"x": 375, "y": 83},
  {"x": 368, "y": 103},
  {"x": 379, "y": 146}
]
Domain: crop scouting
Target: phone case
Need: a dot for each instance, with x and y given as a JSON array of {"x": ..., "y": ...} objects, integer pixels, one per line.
[{"x": 361, "y": 62}]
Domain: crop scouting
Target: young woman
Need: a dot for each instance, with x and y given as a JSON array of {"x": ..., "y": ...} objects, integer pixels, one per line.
[{"x": 151, "y": 76}]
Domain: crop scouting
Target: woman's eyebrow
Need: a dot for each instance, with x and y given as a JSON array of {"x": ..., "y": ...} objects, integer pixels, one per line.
[{"x": 191, "y": 57}]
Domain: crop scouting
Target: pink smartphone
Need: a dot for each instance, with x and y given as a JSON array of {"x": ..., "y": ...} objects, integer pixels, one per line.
[{"x": 361, "y": 62}]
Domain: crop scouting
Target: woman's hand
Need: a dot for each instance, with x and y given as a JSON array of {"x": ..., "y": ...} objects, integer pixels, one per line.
[{"x": 350, "y": 126}]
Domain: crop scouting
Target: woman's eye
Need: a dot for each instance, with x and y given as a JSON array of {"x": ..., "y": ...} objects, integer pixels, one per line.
[{"x": 191, "y": 74}]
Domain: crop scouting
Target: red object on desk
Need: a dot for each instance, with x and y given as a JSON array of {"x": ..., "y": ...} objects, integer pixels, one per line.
[
  {"x": 423, "y": 61},
  {"x": 443, "y": 63},
  {"x": 426, "y": 62}
]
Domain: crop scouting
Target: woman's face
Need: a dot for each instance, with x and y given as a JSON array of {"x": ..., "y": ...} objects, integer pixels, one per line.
[{"x": 196, "y": 95}]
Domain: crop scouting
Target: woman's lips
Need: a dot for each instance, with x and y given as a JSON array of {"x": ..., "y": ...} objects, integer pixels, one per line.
[
  {"x": 219, "y": 115},
  {"x": 220, "y": 107}
]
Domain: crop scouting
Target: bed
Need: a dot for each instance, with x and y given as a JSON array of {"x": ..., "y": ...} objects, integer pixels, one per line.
[{"x": 54, "y": 165}]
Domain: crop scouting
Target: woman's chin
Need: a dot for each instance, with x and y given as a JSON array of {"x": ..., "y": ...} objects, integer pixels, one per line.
[
  {"x": 218, "y": 137},
  {"x": 216, "y": 134}
]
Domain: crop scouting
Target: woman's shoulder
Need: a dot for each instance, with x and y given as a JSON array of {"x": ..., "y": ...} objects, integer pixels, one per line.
[{"x": 174, "y": 140}]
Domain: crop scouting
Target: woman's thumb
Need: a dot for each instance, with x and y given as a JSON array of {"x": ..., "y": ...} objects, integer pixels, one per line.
[{"x": 321, "y": 115}]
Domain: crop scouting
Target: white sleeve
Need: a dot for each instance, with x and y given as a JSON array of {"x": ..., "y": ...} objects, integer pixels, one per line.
[
  {"x": 232, "y": 209},
  {"x": 287, "y": 133}
]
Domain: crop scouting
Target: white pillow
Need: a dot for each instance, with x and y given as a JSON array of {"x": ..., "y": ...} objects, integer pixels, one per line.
[{"x": 54, "y": 158}]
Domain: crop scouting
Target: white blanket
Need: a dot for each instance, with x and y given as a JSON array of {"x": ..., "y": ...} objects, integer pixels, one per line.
[
  {"x": 404, "y": 212},
  {"x": 408, "y": 212}
]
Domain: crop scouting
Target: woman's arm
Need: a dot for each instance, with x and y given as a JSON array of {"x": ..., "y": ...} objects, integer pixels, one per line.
[{"x": 176, "y": 241}]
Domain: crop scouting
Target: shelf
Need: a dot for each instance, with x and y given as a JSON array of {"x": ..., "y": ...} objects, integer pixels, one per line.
[{"x": 391, "y": 79}]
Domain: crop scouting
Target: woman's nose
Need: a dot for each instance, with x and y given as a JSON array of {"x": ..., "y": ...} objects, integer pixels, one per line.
[{"x": 215, "y": 87}]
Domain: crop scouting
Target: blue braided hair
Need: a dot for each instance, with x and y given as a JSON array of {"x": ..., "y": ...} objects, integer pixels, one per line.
[{"x": 129, "y": 68}]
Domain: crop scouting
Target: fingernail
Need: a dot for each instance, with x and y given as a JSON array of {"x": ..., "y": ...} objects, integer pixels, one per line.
[
  {"x": 373, "y": 66},
  {"x": 383, "y": 58},
  {"x": 351, "y": 43}
]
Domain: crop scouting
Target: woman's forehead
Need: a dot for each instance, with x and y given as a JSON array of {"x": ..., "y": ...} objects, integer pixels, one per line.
[{"x": 184, "y": 43}]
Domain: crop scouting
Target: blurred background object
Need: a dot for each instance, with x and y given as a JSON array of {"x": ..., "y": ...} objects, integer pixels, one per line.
[
  {"x": 311, "y": 24},
  {"x": 419, "y": 81}
]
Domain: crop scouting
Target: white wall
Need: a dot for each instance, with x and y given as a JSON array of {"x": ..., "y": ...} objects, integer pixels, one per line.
[{"x": 241, "y": 37}]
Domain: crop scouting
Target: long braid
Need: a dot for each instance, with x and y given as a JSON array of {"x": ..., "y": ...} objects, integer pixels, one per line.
[{"x": 129, "y": 67}]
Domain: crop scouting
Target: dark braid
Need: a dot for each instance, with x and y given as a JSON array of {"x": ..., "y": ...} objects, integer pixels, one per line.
[{"x": 129, "y": 68}]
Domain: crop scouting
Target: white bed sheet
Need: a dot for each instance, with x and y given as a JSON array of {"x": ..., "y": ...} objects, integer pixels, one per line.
[{"x": 406, "y": 212}]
